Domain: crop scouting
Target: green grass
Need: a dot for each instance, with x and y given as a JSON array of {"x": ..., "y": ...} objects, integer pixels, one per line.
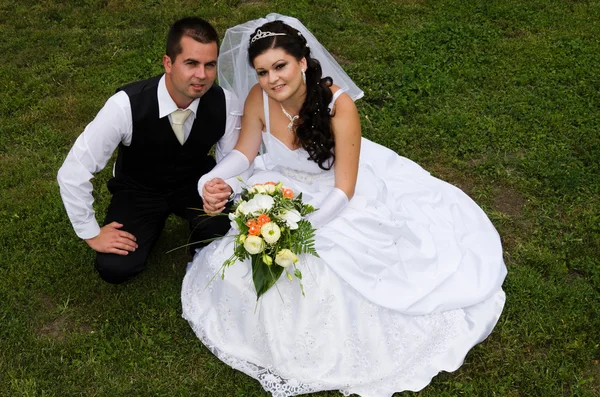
[{"x": 501, "y": 98}]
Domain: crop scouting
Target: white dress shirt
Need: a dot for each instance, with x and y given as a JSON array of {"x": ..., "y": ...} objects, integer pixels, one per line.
[{"x": 113, "y": 125}]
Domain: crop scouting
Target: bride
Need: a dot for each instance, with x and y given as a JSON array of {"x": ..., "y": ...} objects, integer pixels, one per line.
[{"x": 410, "y": 269}]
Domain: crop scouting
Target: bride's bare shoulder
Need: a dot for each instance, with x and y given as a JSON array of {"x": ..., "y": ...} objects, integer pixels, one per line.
[
  {"x": 254, "y": 100},
  {"x": 343, "y": 103},
  {"x": 255, "y": 94},
  {"x": 334, "y": 88}
]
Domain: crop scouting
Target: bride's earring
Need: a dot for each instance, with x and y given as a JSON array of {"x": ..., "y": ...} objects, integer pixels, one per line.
[{"x": 304, "y": 76}]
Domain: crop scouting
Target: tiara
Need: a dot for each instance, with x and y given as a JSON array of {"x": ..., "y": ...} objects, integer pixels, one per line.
[{"x": 261, "y": 35}]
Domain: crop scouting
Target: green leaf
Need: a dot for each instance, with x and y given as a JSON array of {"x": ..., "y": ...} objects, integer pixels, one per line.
[{"x": 264, "y": 276}]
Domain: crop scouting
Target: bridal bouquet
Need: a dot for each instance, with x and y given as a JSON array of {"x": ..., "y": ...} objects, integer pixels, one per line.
[{"x": 273, "y": 231}]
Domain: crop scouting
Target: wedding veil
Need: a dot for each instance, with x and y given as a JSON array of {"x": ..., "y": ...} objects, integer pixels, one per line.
[{"x": 236, "y": 74}]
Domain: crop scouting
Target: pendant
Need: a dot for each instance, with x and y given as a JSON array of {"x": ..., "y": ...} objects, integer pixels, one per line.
[
  {"x": 289, "y": 116},
  {"x": 291, "y": 124}
]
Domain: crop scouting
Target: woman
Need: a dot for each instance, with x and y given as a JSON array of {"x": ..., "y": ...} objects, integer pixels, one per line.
[{"x": 410, "y": 269}]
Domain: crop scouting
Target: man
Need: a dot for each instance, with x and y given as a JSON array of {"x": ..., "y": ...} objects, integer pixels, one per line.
[{"x": 164, "y": 128}]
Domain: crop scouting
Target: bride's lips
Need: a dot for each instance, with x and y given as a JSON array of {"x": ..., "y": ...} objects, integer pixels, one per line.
[{"x": 278, "y": 88}]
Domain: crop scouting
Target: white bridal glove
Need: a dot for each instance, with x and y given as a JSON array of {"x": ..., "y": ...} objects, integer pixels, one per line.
[
  {"x": 232, "y": 165},
  {"x": 332, "y": 205}
]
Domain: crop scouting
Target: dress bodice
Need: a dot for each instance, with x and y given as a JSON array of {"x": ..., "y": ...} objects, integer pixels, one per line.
[{"x": 293, "y": 163}]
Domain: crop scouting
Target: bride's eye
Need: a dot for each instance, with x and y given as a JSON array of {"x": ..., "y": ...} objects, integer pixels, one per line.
[
  {"x": 280, "y": 66},
  {"x": 261, "y": 73}
]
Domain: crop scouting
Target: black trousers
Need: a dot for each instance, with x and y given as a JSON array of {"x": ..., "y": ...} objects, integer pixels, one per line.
[{"x": 143, "y": 214}]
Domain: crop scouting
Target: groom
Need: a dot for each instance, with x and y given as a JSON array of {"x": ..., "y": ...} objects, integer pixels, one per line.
[{"x": 164, "y": 127}]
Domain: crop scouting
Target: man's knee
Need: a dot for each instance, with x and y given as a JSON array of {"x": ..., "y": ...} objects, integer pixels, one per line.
[{"x": 117, "y": 269}]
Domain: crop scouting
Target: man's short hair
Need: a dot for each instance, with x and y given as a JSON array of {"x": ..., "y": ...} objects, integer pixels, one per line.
[{"x": 194, "y": 27}]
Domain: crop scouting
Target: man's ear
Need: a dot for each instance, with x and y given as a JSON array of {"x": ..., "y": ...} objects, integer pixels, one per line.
[{"x": 167, "y": 63}]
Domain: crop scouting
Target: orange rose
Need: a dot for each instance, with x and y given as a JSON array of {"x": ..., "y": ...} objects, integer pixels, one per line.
[
  {"x": 262, "y": 219},
  {"x": 288, "y": 193},
  {"x": 251, "y": 222},
  {"x": 254, "y": 230},
  {"x": 271, "y": 183}
]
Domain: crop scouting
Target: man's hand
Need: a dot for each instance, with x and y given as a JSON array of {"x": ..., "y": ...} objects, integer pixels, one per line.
[
  {"x": 111, "y": 240},
  {"x": 215, "y": 194}
]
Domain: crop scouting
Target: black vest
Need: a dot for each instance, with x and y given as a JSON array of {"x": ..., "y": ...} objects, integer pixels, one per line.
[{"x": 155, "y": 160}]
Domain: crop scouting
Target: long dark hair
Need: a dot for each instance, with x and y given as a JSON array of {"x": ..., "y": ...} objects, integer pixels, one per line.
[{"x": 314, "y": 131}]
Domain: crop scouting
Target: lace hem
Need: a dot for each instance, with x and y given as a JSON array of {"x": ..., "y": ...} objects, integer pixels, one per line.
[
  {"x": 279, "y": 386},
  {"x": 268, "y": 378},
  {"x": 373, "y": 353}
]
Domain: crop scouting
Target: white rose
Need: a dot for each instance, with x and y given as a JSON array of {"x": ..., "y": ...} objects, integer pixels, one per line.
[
  {"x": 291, "y": 217},
  {"x": 270, "y": 189},
  {"x": 260, "y": 189},
  {"x": 270, "y": 232},
  {"x": 259, "y": 203},
  {"x": 254, "y": 244},
  {"x": 241, "y": 207},
  {"x": 285, "y": 258}
]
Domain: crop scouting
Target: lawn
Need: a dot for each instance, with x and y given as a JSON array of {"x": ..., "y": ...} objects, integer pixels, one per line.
[{"x": 501, "y": 98}]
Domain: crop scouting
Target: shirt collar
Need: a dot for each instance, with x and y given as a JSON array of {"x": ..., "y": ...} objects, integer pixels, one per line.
[{"x": 166, "y": 105}]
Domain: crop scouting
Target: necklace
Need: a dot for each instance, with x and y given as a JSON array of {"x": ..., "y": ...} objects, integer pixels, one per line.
[{"x": 292, "y": 119}]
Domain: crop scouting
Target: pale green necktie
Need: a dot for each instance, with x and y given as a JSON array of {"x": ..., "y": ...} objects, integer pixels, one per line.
[{"x": 178, "y": 117}]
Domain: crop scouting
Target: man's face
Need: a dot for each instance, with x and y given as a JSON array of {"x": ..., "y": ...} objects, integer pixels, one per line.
[{"x": 192, "y": 72}]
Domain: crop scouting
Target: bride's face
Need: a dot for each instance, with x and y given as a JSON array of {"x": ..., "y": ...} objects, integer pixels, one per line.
[{"x": 280, "y": 74}]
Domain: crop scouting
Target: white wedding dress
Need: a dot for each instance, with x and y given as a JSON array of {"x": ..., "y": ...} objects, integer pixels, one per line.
[{"x": 408, "y": 280}]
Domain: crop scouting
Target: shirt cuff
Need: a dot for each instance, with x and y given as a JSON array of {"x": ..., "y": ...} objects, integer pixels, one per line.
[{"x": 87, "y": 230}]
